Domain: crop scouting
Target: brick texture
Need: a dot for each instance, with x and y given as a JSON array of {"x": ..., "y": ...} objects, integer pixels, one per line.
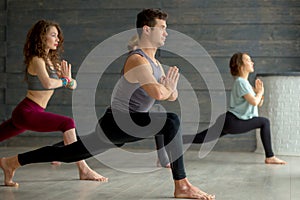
[{"x": 282, "y": 107}]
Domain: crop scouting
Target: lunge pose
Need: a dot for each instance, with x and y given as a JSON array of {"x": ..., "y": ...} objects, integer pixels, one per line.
[
  {"x": 242, "y": 115},
  {"x": 44, "y": 73},
  {"x": 128, "y": 118}
]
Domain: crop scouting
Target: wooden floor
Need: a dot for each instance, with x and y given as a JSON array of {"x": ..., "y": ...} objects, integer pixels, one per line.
[{"x": 230, "y": 176}]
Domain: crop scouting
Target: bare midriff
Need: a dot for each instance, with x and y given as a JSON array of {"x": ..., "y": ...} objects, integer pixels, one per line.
[{"x": 40, "y": 97}]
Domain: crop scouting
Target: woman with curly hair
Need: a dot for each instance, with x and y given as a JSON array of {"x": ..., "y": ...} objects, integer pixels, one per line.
[{"x": 44, "y": 73}]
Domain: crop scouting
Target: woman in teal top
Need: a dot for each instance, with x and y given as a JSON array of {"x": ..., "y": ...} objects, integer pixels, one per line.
[{"x": 242, "y": 115}]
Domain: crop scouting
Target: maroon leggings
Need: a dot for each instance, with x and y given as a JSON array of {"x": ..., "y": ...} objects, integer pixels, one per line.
[{"x": 30, "y": 116}]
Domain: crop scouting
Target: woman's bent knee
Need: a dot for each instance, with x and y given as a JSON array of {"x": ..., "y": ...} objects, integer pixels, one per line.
[
  {"x": 68, "y": 124},
  {"x": 266, "y": 121}
]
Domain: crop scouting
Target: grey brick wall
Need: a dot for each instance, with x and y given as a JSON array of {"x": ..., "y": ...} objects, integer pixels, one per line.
[{"x": 268, "y": 30}]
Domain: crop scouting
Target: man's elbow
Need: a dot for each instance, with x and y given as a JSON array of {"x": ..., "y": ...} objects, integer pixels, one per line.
[{"x": 157, "y": 95}]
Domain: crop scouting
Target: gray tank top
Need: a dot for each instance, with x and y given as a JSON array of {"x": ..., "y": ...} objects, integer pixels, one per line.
[
  {"x": 130, "y": 96},
  {"x": 34, "y": 82}
]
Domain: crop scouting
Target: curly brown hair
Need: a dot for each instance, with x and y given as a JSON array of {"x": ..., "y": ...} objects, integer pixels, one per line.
[
  {"x": 35, "y": 44},
  {"x": 236, "y": 61}
]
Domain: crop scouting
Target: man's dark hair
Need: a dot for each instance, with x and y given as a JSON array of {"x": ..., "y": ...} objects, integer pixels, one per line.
[{"x": 148, "y": 16}]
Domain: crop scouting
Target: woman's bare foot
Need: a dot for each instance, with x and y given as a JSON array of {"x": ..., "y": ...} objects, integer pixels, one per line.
[
  {"x": 8, "y": 173},
  {"x": 55, "y": 163},
  {"x": 275, "y": 160},
  {"x": 89, "y": 174},
  {"x": 159, "y": 165},
  {"x": 184, "y": 189}
]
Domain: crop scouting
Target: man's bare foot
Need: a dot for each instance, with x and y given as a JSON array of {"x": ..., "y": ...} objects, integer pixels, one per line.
[
  {"x": 89, "y": 174},
  {"x": 8, "y": 173},
  {"x": 275, "y": 160},
  {"x": 184, "y": 189}
]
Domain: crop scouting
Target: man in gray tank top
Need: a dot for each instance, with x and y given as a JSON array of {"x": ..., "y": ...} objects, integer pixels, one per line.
[{"x": 143, "y": 82}]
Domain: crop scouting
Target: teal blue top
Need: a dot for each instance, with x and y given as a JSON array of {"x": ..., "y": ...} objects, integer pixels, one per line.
[{"x": 239, "y": 106}]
